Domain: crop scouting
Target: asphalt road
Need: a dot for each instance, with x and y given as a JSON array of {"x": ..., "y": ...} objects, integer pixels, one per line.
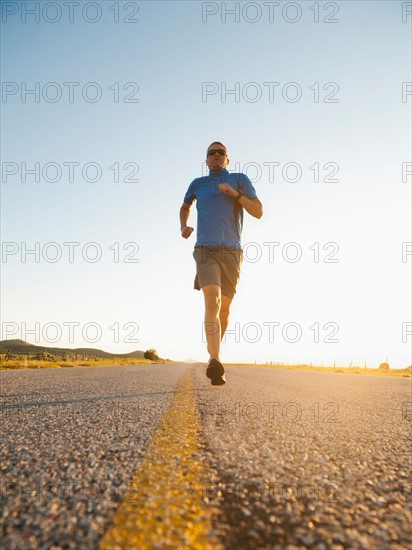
[{"x": 295, "y": 459}]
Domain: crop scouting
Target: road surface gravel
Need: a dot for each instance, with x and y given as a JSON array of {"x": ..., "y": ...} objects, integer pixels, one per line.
[
  {"x": 300, "y": 459},
  {"x": 309, "y": 459}
]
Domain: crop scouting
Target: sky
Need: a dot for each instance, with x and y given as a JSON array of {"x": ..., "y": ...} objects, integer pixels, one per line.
[{"x": 107, "y": 110}]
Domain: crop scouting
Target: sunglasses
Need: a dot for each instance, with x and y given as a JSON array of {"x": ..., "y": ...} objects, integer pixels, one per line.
[{"x": 220, "y": 152}]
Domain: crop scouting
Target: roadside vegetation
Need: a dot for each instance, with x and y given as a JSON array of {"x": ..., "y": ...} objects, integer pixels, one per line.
[
  {"x": 48, "y": 361},
  {"x": 383, "y": 369}
]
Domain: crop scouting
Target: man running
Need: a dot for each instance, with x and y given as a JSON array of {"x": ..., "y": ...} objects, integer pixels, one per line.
[{"x": 220, "y": 199}]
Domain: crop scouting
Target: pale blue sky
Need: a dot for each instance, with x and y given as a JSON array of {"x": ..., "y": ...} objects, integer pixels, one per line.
[{"x": 169, "y": 53}]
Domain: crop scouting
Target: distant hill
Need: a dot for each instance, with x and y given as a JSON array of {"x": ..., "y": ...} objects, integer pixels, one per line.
[{"x": 19, "y": 347}]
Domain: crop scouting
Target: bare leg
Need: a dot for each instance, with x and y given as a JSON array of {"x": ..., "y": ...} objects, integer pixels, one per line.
[
  {"x": 224, "y": 314},
  {"x": 212, "y": 295}
]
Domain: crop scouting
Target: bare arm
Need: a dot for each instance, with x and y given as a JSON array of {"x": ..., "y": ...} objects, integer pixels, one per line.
[
  {"x": 184, "y": 218},
  {"x": 252, "y": 206}
]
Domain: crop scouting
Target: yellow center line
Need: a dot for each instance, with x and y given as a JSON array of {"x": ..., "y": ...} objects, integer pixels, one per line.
[{"x": 164, "y": 506}]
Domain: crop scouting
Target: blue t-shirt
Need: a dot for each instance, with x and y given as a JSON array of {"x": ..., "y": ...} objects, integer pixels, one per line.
[{"x": 219, "y": 217}]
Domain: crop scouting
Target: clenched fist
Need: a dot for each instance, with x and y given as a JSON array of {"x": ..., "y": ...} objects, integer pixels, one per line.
[{"x": 186, "y": 232}]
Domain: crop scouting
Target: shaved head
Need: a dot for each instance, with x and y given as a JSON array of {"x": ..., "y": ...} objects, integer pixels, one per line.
[{"x": 216, "y": 143}]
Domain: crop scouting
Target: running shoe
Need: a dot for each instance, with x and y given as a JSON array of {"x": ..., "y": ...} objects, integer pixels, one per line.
[{"x": 216, "y": 372}]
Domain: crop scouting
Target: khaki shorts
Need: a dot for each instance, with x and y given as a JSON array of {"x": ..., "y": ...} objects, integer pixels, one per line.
[{"x": 218, "y": 266}]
